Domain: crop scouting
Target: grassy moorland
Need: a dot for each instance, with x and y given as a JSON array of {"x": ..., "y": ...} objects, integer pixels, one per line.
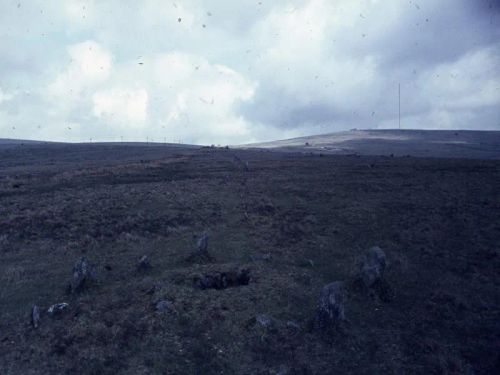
[{"x": 295, "y": 221}]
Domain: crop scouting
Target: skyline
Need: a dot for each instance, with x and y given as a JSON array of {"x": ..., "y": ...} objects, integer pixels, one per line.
[{"x": 229, "y": 73}]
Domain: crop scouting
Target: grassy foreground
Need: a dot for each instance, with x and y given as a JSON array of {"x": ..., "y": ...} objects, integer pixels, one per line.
[{"x": 296, "y": 222}]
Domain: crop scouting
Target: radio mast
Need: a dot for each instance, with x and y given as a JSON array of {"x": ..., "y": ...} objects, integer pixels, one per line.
[{"x": 399, "y": 105}]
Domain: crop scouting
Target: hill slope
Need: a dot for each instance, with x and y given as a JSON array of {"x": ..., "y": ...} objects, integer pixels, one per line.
[{"x": 421, "y": 143}]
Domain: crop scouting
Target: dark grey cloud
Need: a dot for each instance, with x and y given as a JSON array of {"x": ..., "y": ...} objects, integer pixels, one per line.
[
  {"x": 425, "y": 36},
  {"x": 486, "y": 7}
]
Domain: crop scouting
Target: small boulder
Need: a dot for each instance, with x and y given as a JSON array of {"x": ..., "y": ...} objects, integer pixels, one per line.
[
  {"x": 57, "y": 309},
  {"x": 373, "y": 267},
  {"x": 264, "y": 320},
  {"x": 83, "y": 272},
  {"x": 202, "y": 244},
  {"x": 330, "y": 307},
  {"x": 144, "y": 264},
  {"x": 35, "y": 316},
  {"x": 201, "y": 253}
]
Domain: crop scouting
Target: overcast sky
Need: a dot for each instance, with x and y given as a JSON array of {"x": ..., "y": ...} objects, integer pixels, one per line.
[{"x": 237, "y": 71}]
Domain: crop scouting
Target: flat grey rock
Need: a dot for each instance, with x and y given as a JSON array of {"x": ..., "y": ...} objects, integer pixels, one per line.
[{"x": 57, "y": 309}]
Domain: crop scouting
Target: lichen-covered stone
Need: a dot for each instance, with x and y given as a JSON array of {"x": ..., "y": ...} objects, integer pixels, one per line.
[
  {"x": 330, "y": 310},
  {"x": 83, "y": 272}
]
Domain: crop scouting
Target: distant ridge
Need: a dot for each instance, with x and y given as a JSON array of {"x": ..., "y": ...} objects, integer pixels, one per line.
[
  {"x": 10, "y": 141},
  {"x": 468, "y": 144},
  {"x": 422, "y": 143}
]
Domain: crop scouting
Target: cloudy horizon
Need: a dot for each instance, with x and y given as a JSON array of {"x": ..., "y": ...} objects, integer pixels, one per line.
[{"x": 232, "y": 72}]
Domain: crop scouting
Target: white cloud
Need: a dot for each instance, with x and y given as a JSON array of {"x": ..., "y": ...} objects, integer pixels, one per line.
[
  {"x": 198, "y": 100},
  {"x": 121, "y": 106},
  {"x": 69, "y": 95},
  {"x": 4, "y": 96},
  {"x": 90, "y": 64},
  {"x": 470, "y": 82}
]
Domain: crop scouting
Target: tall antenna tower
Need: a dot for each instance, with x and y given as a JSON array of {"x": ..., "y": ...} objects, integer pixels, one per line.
[{"x": 399, "y": 105}]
